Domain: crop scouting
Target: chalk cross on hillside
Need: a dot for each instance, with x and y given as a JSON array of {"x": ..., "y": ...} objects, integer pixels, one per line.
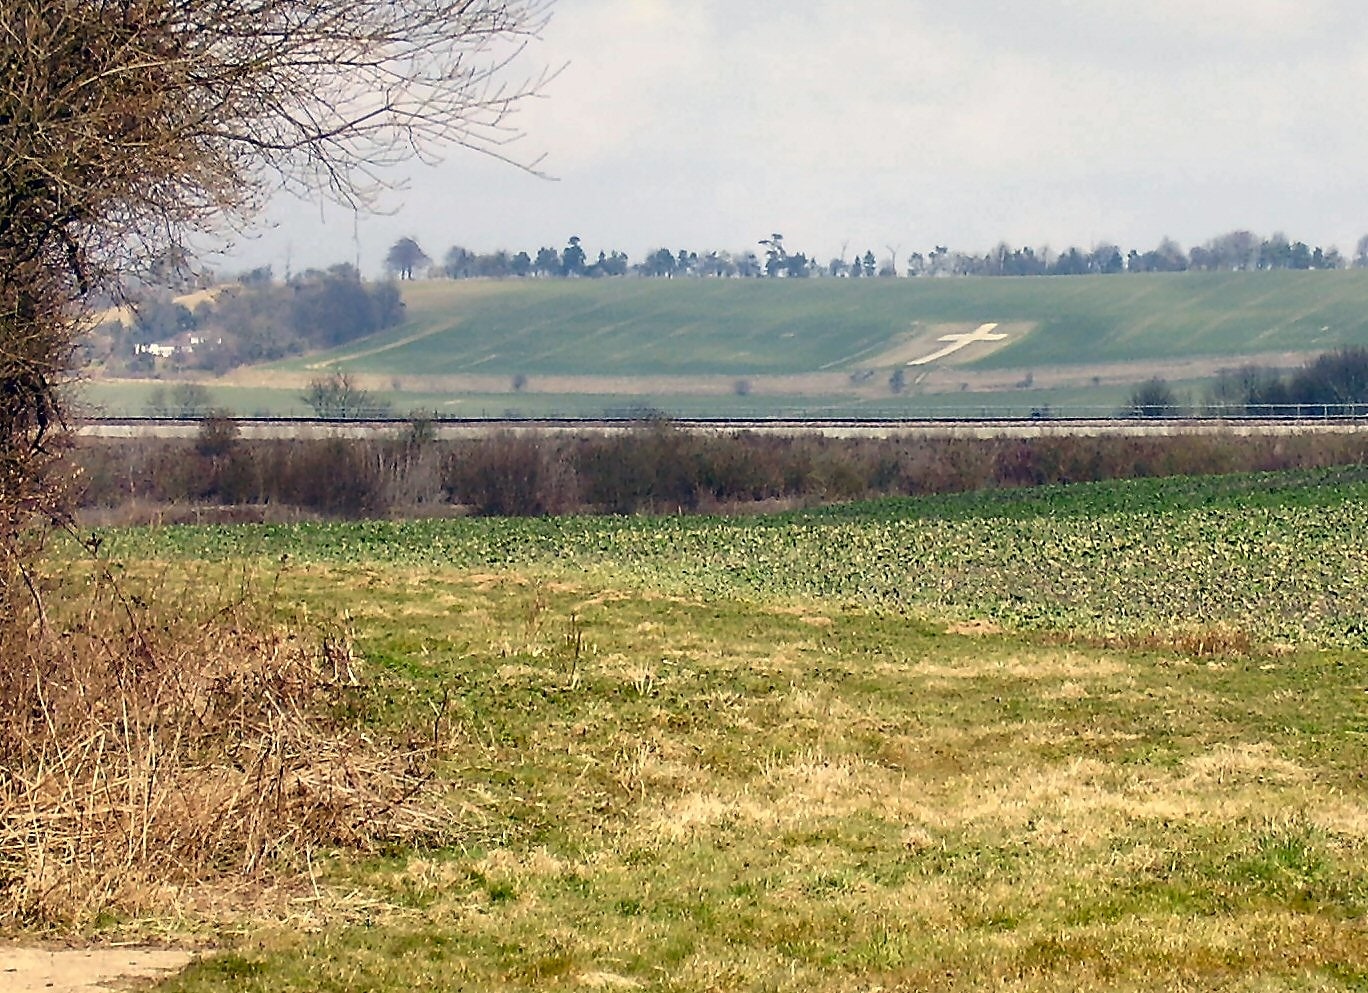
[{"x": 984, "y": 332}]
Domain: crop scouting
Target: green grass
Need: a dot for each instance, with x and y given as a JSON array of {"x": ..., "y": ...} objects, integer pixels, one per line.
[
  {"x": 1265, "y": 554},
  {"x": 130, "y": 400},
  {"x": 930, "y": 744},
  {"x": 682, "y": 346},
  {"x": 764, "y": 327}
]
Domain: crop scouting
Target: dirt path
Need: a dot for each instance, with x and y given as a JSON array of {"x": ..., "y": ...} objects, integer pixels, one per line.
[{"x": 85, "y": 970}]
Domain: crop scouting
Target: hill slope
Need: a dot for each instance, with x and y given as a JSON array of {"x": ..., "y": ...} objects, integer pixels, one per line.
[
  {"x": 797, "y": 348},
  {"x": 763, "y": 327}
]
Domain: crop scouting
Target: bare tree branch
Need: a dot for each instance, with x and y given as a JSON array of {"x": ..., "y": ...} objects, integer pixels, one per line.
[{"x": 126, "y": 125}]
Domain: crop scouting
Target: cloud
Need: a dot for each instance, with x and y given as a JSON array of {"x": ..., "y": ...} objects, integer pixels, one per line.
[{"x": 708, "y": 124}]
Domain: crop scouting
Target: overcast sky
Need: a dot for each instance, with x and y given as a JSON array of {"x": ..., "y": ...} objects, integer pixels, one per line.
[{"x": 709, "y": 124}]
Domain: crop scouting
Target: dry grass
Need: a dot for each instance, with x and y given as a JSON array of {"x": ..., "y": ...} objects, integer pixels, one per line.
[{"x": 174, "y": 736}]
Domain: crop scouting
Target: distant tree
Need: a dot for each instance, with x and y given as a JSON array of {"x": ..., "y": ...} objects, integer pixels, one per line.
[
  {"x": 387, "y": 305},
  {"x": 1250, "y": 389},
  {"x": 328, "y": 308},
  {"x": 1170, "y": 256},
  {"x": 1237, "y": 250},
  {"x": 1275, "y": 252},
  {"x": 1337, "y": 377},
  {"x": 520, "y": 265},
  {"x": 404, "y": 256},
  {"x": 157, "y": 404},
  {"x": 890, "y": 268},
  {"x": 547, "y": 262},
  {"x": 1201, "y": 259},
  {"x": 1361, "y": 253},
  {"x": 260, "y": 276},
  {"x": 1330, "y": 258},
  {"x": 1154, "y": 398},
  {"x": 716, "y": 264},
  {"x": 338, "y": 396},
  {"x": 159, "y": 318},
  {"x": 494, "y": 265},
  {"x": 1071, "y": 263},
  {"x": 869, "y": 264},
  {"x": 775, "y": 254},
  {"x": 459, "y": 263},
  {"x": 573, "y": 260},
  {"x": 614, "y": 265},
  {"x": 748, "y": 265},
  {"x": 189, "y": 400},
  {"x": 661, "y": 262},
  {"x": 1167, "y": 257},
  {"x": 1106, "y": 260}
]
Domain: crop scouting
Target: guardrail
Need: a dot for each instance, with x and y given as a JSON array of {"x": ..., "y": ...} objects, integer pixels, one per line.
[{"x": 976, "y": 413}]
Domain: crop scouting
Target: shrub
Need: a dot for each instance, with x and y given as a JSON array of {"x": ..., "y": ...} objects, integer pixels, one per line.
[
  {"x": 1154, "y": 398},
  {"x": 163, "y": 738}
]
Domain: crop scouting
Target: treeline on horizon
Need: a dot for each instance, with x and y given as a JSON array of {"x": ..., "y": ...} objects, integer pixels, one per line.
[{"x": 1236, "y": 251}]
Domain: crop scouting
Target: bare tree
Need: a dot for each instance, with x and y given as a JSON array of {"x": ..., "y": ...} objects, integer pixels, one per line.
[
  {"x": 339, "y": 396},
  {"x": 128, "y": 125}
]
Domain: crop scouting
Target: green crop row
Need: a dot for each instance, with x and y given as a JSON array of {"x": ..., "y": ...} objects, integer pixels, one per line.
[{"x": 1277, "y": 558}]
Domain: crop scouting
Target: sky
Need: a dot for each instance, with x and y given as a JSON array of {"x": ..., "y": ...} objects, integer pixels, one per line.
[{"x": 895, "y": 125}]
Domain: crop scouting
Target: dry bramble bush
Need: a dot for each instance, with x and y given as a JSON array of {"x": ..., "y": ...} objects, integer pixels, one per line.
[
  {"x": 138, "y": 741},
  {"x": 144, "y": 749}
]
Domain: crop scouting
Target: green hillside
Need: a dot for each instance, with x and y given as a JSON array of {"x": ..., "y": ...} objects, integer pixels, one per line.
[
  {"x": 808, "y": 348},
  {"x": 770, "y": 327}
]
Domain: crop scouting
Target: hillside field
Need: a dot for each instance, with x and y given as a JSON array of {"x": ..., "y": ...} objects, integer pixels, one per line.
[
  {"x": 1104, "y": 737},
  {"x": 780, "y": 347}
]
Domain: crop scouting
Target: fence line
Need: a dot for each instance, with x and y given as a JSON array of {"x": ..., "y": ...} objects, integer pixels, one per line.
[{"x": 1352, "y": 412}]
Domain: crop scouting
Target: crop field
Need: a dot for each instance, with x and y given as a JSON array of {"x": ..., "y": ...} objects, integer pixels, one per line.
[
  {"x": 806, "y": 348},
  {"x": 1097, "y": 737},
  {"x": 764, "y": 327}
]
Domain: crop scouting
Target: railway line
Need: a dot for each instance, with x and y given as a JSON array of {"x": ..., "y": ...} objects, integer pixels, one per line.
[{"x": 977, "y": 427}]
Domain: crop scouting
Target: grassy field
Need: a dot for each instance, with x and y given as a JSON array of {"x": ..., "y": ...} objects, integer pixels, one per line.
[
  {"x": 586, "y": 348},
  {"x": 127, "y": 399},
  {"x": 1101, "y": 737},
  {"x": 763, "y": 327}
]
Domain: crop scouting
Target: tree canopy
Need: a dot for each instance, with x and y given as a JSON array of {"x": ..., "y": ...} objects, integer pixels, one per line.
[{"x": 128, "y": 125}]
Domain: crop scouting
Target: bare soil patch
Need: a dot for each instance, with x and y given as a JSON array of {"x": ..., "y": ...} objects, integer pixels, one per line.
[{"x": 80, "y": 970}]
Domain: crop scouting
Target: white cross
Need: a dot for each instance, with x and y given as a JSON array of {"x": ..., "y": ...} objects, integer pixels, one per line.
[{"x": 984, "y": 332}]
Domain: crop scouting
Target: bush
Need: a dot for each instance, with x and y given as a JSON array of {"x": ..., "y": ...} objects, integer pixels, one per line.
[
  {"x": 1154, "y": 398},
  {"x": 654, "y": 467},
  {"x": 158, "y": 737}
]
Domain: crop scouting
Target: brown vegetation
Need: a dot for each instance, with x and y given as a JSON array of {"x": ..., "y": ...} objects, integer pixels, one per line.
[
  {"x": 153, "y": 740},
  {"x": 654, "y": 468}
]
